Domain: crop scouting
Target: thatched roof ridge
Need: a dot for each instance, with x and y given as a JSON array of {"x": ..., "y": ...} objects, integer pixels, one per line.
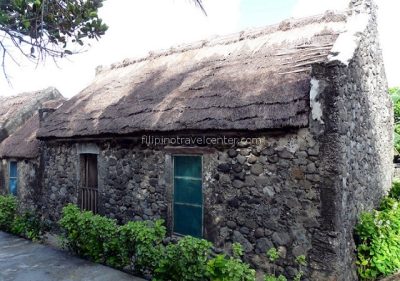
[
  {"x": 16, "y": 110},
  {"x": 23, "y": 144},
  {"x": 253, "y": 80},
  {"x": 248, "y": 34}
]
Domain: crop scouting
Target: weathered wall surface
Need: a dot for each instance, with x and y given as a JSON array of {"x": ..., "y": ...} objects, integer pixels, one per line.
[
  {"x": 260, "y": 195},
  {"x": 59, "y": 165},
  {"x": 27, "y": 182},
  {"x": 355, "y": 137}
]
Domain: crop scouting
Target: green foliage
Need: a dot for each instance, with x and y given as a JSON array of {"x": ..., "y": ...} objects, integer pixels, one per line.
[
  {"x": 237, "y": 250},
  {"x": 8, "y": 209},
  {"x": 92, "y": 236},
  {"x": 223, "y": 268},
  {"x": 271, "y": 277},
  {"x": 300, "y": 261},
  {"x": 395, "y": 191},
  {"x": 184, "y": 261},
  {"x": 28, "y": 225},
  {"x": 395, "y": 94},
  {"x": 273, "y": 255},
  {"x": 143, "y": 241},
  {"x": 141, "y": 244},
  {"x": 378, "y": 232},
  {"x": 52, "y": 22}
]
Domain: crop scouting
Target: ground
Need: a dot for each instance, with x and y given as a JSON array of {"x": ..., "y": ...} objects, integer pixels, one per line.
[{"x": 22, "y": 260}]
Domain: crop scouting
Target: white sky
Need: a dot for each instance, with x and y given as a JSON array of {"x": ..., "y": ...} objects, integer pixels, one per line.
[{"x": 139, "y": 26}]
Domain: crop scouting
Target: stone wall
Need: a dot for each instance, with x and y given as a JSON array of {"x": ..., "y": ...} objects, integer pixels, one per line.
[
  {"x": 261, "y": 195},
  {"x": 60, "y": 179},
  {"x": 356, "y": 150},
  {"x": 27, "y": 182}
]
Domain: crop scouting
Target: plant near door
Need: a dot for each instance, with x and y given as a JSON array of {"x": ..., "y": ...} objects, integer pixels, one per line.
[
  {"x": 184, "y": 261},
  {"x": 91, "y": 236},
  {"x": 142, "y": 240}
]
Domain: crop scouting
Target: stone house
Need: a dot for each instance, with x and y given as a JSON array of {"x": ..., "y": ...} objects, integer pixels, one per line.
[
  {"x": 19, "y": 152},
  {"x": 278, "y": 136}
]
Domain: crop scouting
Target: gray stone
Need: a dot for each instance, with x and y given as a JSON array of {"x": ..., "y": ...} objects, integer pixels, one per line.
[
  {"x": 268, "y": 190},
  {"x": 232, "y": 153},
  {"x": 241, "y": 159},
  {"x": 285, "y": 154},
  {"x": 281, "y": 238},
  {"x": 231, "y": 224},
  {"x": 252, "y": 159},
  {"x": 237, "y": 184},
  {"x": 259, "y": 232},
  {"x": 257, "y": 169},
  {"x": 263, "y": 245},
  {"x": 239, "y": 238}
]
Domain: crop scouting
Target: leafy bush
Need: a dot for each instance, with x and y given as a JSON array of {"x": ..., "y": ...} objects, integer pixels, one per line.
[
  {"x": 395, "y": 191},
  {"x": 143, "y": 241},
  {"x": 378, "y": 232},
  {"x": 222, "y": 268},
  {"x": 28, "y": 225},
  {"x": 8, "y": 209},
  {"x": 92, "y": 236},
  {"x": 184, "y": 261},
  {"x": 141, "y": 244},
  {"x": 273, "y": 255},
  {"x": 395, "y": 94}
]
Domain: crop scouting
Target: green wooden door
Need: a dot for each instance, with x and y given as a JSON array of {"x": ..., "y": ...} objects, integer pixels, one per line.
[{"x": 188, "y": 195}]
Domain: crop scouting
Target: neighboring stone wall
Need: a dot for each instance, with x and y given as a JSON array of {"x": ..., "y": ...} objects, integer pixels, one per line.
[
  {"x": 356, "y": 151},
  {"x": 27, "y": 182}
]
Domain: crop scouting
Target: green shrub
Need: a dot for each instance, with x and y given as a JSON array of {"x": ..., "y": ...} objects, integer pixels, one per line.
[
  {"x": 143, "y": 241},
  {"x": 28, "y": 225},
  {"x": 378, "y": 232},
  {"x": 395, "y": 191},
  {"x": 141, "y": 244},
  {"x": 222, "y": 268},
  {"x": 271, "y": 277},
  {"x": 8, "y": 209},
  {"x": 184, "y": 261},
  {"x": 92, "y": 236}
]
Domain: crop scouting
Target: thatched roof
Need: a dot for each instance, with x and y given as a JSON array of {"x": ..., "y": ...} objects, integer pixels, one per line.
[
  {"x": 16, "y": 110},
  {"x": 253, "y": 80},
  {"x": 23, "y": 142}
]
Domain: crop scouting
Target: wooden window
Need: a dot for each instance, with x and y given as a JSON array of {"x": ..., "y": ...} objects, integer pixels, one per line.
[
  {"x": 89, "y": 188},
  {"x": 13, "y": 183},
  {"x": 188, "y": 196}
]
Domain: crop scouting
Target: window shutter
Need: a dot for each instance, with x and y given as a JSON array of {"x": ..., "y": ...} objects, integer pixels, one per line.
[{"x": 188, "y": 195}]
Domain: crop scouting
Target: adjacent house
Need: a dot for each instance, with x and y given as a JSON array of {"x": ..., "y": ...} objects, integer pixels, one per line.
[
  {"x": 278, "y": 136},
  {"x": 19, "y": 152}
]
